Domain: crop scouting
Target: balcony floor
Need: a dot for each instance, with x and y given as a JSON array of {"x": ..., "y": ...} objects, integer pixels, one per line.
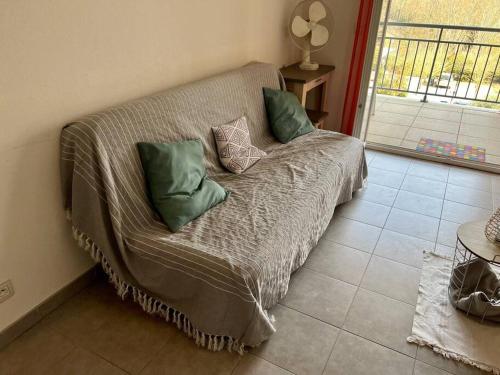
[{"x": 403, "y": 121}]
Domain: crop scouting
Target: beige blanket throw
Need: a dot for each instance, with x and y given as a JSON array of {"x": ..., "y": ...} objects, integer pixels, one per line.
[
  {"x": 218, "y": 276},
  {"x": 447, "y": 330}
]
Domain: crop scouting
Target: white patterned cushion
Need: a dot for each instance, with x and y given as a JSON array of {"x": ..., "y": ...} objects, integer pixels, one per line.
[{"x": 236, "y": 152}]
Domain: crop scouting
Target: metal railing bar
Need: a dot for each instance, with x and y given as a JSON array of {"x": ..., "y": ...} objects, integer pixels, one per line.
[
  {"x": 395, "y": 62},
  {"x": 413, "y": 66},
  {"x": 386, "y": 59},
  {"x": 452, "y": 69},
  {"x": 443, "y": 41},
  {"x": 492, "y": 77},
  {"x": 404, "y": 64},
  {"x": 423, "y": 64},
  {"x": 482, "y": 75},
  {"x": 433, "y": 64},
  {"x": 472, "y": 73},
  {"x": 462, "y": 72},
  {"x": 447, "y": 27},
  {"x": 442, "y": 67}
]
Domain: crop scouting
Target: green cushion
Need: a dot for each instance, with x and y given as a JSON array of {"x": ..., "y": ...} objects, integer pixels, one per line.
[
  {"x": 178, "y": 186},
  {"x": 288, "y": 119}
]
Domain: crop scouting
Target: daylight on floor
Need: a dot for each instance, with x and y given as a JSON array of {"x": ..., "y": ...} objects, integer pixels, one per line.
[{"x": 437, "y": 78}]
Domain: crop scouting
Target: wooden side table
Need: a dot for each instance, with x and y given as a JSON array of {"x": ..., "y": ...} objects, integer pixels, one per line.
[{"x": 300, "y": 82}]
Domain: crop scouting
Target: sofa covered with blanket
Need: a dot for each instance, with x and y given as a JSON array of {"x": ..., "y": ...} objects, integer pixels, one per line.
[{"x": 218, "y": 276}]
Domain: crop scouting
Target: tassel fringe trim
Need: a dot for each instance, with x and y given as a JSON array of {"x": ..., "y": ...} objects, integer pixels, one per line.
[
  {"x": 451, "y": 355},
  {"x": 155, "y": 306}
]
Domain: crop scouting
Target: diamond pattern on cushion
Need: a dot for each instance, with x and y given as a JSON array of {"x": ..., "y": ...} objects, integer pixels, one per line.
[{"x": 236, "y": 152}]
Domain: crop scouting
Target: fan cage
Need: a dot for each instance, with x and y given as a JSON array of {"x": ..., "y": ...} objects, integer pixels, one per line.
[{"x": 302, "y": 10}]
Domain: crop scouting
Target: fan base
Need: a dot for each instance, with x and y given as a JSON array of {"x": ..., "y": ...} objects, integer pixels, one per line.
[{"x": 305, "y": 65}]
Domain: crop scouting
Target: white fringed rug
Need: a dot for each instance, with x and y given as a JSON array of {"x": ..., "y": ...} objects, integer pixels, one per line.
[{"x": 446, "y": 330}]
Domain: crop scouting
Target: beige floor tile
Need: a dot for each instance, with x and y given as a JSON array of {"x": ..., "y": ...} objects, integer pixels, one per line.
[
  {"x": 300, "y": 344},
  {"x": 352, "y": 233},
  {"x": 389, "y": 141},
  {"x": 364, "y": 211},
  {"x": 481, "y": 131},
  {"x": 393, "y": 163},
  {"x": 35, "y": 352},
  {"x": 131, "y": 340},
  {"x": 385, "y": 178},
  {"x": 399, "y": 108},
  {"x": 443, "y": 107},
  {"x": 436, "y": 124},
  {"x": 419, "y": 203},
  {"x": 429, "y": 170},
  {"x": 338, "y": 261},
  {"x": 252, "y": 365},
  {"x": 319, "y": 296},
  {"x": 401, "y": 100},
  {"x": 119, "y": 331},
  {"x": 422, "y": 368},
  {"x": 393, "y": 118},
  {"x": 402, "y": 248},
  {"x": 447, "y": 233},
  {"x": 492, "y": 159},
  {"x": 445, "y": 251},
  {"x": 462, "y": 213},
  {"x": 381, "y": 319},
  {"x": 387, "y": 130},
  {"x": 415, "y": 134},
  {"x": 470, "y": 178},
  {"x": 181, "y": 356},
  {"x": 392, "y": 279},
  {"x": 478, "y": 111},
  {"x": 439, "y": 114},
  {"x": 354, "y": 355},
  {"x": 377, "y": 194},
  {"x": 413, "y": 224},
  {"x": 83, "y": 362},
  {"x": 471, "y": 197},
  {"x": 425, "y": 186},
  {"x": 411, "y": 145},
  {"x": 491, "y": 119}
]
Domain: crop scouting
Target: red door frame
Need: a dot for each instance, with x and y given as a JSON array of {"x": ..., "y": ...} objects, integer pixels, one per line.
[{"x": 356, "y": 67}]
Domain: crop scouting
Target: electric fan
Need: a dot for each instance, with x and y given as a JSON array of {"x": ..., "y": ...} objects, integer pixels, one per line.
[{"x": 309, "y": 27}]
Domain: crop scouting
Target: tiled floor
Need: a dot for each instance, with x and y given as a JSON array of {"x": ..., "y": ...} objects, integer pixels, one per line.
[
  {"x": 402, "y": 122},
  {"x": 348, "y": 310}
]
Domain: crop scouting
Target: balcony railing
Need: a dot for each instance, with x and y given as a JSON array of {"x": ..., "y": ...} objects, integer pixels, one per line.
[{"x": 457, "y": 62}]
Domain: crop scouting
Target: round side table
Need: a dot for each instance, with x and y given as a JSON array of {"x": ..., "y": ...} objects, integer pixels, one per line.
[{"x": 472, "y": 247}]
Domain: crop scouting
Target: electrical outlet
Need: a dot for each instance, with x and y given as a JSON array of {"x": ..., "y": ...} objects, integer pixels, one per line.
[{"x": 6, "y": 290}]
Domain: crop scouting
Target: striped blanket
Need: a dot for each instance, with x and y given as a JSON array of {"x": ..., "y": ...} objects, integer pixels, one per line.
[{"x": 219, "y": 275}]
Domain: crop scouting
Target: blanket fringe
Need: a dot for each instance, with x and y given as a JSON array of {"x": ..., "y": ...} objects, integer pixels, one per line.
[
  {"x": 451, "y": 355},
  {"x": 155, "y": 306}
]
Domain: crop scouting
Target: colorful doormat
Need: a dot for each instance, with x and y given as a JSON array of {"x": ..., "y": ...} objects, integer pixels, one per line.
[{"x": 454, "y": 150}]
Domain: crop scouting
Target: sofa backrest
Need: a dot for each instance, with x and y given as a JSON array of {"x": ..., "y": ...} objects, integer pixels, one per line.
[{"x": 189, "y": 111}]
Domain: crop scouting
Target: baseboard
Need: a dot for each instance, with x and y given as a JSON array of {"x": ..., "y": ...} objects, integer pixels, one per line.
[{"x": 32, "y": 317}]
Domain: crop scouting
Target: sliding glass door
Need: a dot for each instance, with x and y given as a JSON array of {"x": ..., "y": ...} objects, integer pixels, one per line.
[{"x": 432, "y": 89}]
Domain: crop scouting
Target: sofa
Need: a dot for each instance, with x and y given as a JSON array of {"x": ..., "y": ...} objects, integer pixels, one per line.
[{"x": 219, "y": 276}]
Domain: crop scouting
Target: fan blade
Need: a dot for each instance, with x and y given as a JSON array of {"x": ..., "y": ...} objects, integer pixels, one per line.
[
  {"x": 317, "y": 11},
  {"x": 300, "y": 27},
  {"x": 319, "y": 35}
]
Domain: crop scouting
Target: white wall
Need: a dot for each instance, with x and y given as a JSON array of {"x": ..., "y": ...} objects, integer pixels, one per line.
[
  {"x": 62, "y": 59},
  {"x": 338, "y": 52}
]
